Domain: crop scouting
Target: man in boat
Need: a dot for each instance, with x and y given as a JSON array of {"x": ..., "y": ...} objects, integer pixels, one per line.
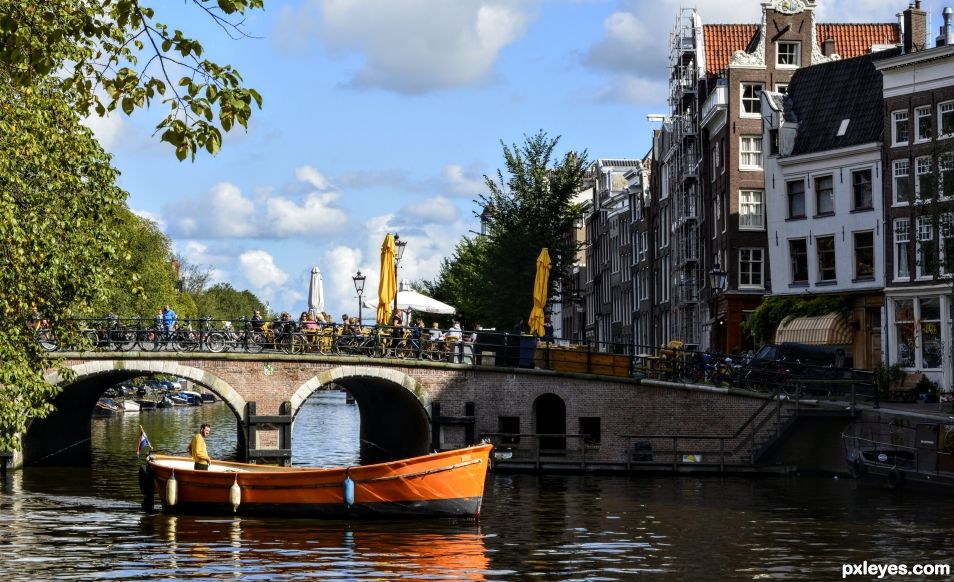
[{"x": 198, "y": 450}]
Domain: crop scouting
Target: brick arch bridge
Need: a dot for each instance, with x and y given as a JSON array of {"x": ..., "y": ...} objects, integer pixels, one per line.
[{"x": 406, "y": 407}]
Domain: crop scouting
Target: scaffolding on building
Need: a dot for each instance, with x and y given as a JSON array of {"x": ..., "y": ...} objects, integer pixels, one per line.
[{"x": 684, "y": 67}]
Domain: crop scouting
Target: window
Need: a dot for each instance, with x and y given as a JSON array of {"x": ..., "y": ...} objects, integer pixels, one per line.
[
  {"x": 716, "y": 159},
  {"x": 904, "y": 330},
  {"x": 864, "y": 255},
  {"x": 788, "y": 54},
  {"x": 926, "y": 254},
  {"x": 899, "y": 127},
  {"x": 825, "y": 246},
  {"x": 590, "y": 429},
  {"x": 902, "y": 188},
  {"x": 751, "y": 210},
  {"x": 798, "y": 253},
  {"x": 945, "y": 167},
  {"x": 796, "y": 199},
  {"x": 750, "y": 268},
  {"x": 945, "y": 119},
  {"x": 902, "y": 243},
  {"x": 946, "y": 235},
  {"x": 781, "y": 88},
  {"x": 824, "y": 196},
  {"x": 751, "y": 99},
  {"x": 773, "y": 142},
  {"x": 924, "y": 182},
  {"x": 931, "y": 349},
  {"x": 922, "y": 123},
  {"x": 750, "y": 153},
  {"x": 861, "y": 189}
]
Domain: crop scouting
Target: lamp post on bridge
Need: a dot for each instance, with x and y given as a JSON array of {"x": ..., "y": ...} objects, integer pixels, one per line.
[
  {"x": 398, "y": 254},
  {"x": 717, "y": 282},
  {"x": 359, "y": 287}
]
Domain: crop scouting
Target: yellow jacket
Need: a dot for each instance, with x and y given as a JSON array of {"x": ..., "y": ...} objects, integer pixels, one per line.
[{"x": 200, "y": 454}]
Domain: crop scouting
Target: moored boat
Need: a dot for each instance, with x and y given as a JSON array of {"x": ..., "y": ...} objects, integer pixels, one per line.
[
  {"x": 445, "y": 484},
  {"x": 130, "y": 405},
  {"x": 897, "y": 452}
]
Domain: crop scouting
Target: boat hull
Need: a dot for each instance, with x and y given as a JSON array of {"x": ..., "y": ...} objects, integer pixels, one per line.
[{"x": 446, "y": 484}]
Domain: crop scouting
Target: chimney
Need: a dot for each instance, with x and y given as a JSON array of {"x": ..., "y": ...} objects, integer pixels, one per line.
[
  {"x": 828, "y": 47},
  {"x": 947, "y": 35},
  {"x": 915, "y": 28}
]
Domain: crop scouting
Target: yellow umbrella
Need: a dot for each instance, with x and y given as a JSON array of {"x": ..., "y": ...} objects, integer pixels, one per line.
[
  {"x": 540, "y": 292},
  {"x": 387, "y": 287}
]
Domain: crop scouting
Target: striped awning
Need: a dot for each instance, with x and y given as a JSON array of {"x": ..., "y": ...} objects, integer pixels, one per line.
[{"x": 825, "y": 330}]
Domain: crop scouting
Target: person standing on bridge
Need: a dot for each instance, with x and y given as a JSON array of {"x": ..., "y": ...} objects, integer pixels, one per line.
[
  {"x": 198, "y": 450},
  {"x": 169, "y": 318}
]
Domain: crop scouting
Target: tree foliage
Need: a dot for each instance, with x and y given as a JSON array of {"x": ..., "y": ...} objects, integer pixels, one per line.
[
  {"x": 58, "y": 201},
  {"x": 114, "y": 54},
  {"x": 529, "y": 206},
  {"x": 222, "y": 301}
]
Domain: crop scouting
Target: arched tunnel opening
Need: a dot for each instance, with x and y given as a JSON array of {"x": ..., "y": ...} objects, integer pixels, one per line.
[
  {"x": 393, "y": 422},
  {"x": 65, "y": 436}
]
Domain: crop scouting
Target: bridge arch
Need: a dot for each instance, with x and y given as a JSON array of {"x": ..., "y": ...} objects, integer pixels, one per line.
[
  {"x": 63, "y": 435},
  {"x": 392, "y": 406}
]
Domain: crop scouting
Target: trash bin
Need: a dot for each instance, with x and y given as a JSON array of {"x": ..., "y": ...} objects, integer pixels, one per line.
[{"x": 528, "y": 347}]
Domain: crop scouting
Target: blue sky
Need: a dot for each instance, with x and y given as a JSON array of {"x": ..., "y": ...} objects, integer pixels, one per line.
[{"x": 383, "y": 115}]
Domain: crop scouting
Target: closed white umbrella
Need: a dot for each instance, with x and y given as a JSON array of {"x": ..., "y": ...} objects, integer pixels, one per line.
[
  {"x": 316, "y": 292},
  {"x": 408, "y": 298}
]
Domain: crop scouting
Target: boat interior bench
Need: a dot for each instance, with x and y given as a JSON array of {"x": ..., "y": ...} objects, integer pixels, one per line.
[{"x": 906, "y": 389}]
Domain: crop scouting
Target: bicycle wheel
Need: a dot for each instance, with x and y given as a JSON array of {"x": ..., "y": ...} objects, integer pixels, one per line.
[
  {"x": 254, "y": 342},
  {"x": 46, "y": 340},
  {"x": 184, "y": 342},
  {"x": 122, "y": 340},
  {"x": 90, "y": 339},
  {"x": 215, "y": 342}
]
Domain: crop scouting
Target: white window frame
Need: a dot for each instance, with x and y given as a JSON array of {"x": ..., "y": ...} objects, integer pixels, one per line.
[
  {"x": 791, "y": 262},
  {"x": 781, "y": 88},
  {"x": 925, "y": 233},
  {"x": 922, "y": 166},
  {"x": 897, "y": 166},
  {"x": 945, "y": 108},
  {"x": 854, "y": 255},
  {"x": 796, "y": 54},
  {"x": 900, "y": 116},
  {"x": 945, "y": 164},
  {"x": 816, "y": 198},
  {"x": 755, "y": 101},
  {"x": 716, "y": 159},
  {"x": 945, "y": 229},
  {"x": 919, "y": 113},
  {"x": 788, "y": 199},
  {"x": 902, "y": 237},
  {"x": 750, "y": 149},
  {"x": 756, "y": 199},
  {"x": 818, "y": 262},
  {"x": 871, "y": 194},
  {"x": 745, "y": 275}
]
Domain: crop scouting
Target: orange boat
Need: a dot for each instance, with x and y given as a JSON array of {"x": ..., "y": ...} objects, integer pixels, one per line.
[{"x": 446, "y": 484}]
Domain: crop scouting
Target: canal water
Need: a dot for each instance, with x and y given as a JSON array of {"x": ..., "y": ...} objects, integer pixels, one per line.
[{"x": 86, "y": 523}]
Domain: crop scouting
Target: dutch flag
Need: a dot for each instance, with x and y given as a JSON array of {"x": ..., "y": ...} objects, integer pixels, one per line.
[{"x": 143, "y": 441}]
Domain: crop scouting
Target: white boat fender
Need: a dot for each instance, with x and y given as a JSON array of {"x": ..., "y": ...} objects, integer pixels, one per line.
[
  {"x": 348, "y": 488},
  {"x": 172, "y": 490},
  {"x": 235, "y": 495}
]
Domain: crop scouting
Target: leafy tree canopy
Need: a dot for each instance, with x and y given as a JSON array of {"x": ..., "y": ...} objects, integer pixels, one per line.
[
  {"x": 113, "y": 54},
  {"x": 530, "y": 207}
]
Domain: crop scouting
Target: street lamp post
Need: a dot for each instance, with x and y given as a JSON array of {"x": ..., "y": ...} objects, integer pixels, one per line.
[
  {"x": 717, "y": 282},
  {"x": 399, "y": 253},
  {"x": 359, "y": 287}
]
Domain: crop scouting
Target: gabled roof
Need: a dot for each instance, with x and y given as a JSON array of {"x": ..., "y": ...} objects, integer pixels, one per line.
[
  {"x": 851, "y": 40},
  {"x": 823, "y": 96}
]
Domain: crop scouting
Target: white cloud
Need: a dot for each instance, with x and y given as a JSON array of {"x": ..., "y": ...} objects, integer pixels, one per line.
[
  {"x": 464, "y": 182},
  {"x": 108, "y": 129},
  {"x": 151, "y": 216},
  {"x": 224, "y": 212},
  {"x": 412, "y": 46},
  {"x": 439, "y": 210},
  {"x": 261, "y": 272},
  {"x": 311, "y": 176}
]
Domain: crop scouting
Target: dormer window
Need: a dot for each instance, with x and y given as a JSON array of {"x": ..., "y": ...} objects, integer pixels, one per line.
[{"x": 788, "y": 54}]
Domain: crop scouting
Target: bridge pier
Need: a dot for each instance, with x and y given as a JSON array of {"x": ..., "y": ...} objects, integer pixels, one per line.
[{"x": 263, "y": 430}]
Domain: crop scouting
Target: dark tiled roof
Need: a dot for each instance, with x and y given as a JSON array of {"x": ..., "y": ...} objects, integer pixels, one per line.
[
  {"x": 824, "y": 95},
  {"x": 851, "y": 40}
]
